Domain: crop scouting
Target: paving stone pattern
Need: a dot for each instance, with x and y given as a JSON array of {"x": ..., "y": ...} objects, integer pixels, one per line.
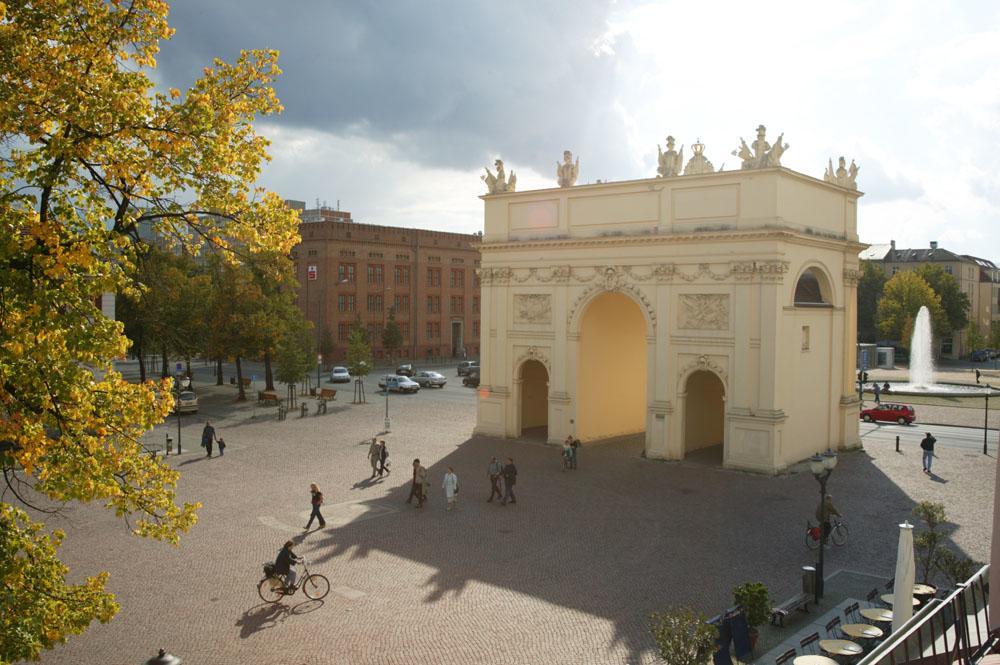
[{"x": 567, "y": 575}]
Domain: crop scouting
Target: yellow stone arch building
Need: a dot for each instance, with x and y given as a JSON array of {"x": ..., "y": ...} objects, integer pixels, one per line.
[{"x": 713, "y": 311}]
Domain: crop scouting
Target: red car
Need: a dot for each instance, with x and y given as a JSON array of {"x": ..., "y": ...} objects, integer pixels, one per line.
[{"x": 899, "y": 413}]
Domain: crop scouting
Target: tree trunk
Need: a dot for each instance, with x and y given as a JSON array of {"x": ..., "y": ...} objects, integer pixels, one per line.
[
  {"x": 218, "y": 371},
  {"x": 187, "y": 362},
  {"x": 268, "y": 374},
  {"x": 242, "y": 396},
  {"x": 142, "y": 361},
  {"x": 166, "y": 369}
]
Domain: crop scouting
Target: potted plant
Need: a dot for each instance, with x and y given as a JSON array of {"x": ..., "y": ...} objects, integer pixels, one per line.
[
  {"x": 754, "y": 599},
  {"x": 683, "y": 637}
]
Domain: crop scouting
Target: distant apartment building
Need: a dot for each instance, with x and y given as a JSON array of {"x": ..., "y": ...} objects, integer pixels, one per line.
[
  {"x": 978, "y": 278},
  {"x": 351, "y": 272}
]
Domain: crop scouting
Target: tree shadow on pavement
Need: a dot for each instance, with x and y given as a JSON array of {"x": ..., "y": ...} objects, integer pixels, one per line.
[{"x": 267, "y": 615}]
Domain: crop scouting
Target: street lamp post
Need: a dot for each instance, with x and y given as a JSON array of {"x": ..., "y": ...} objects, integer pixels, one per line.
[
  {"x": 822, "y": 466},
  {"x": 319, "y": 363},
  {"x": 185, "y": 383}
]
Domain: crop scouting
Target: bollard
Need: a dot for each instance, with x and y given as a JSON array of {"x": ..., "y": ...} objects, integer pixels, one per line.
[
  {"x": 169, "y": 443},
  {"x": 897, "y": 443},
  {"x": 304, "y": 410}
]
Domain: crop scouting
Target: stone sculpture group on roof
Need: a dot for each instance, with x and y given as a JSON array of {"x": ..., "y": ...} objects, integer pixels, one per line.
[{"x": 758, "y": 155}]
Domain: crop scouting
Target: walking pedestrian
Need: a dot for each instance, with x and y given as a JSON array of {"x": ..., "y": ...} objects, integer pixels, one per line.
[
  {"x": 574, "y": 452},
  {"x": 927, "y": 444},
  {"x": 567, "y": 452},
  {"x": 207, "y": 437},
  {"x": 495, "y": 472},
  {"x": 373, "y": 456},
  {"x": 450, "y": 486},
  {"x": 317, "y": 501},
  {"x": 383, "y": 457},
  {"x": 417, "y": 489},
  {"x": 977, "y": 375},
  {"x": 222, "y": 446},
  {"x": 509, "y": 479},
  {"x": 877, "y": 390}
]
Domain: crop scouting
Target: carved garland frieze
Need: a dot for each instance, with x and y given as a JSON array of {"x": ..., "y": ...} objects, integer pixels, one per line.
[
  {"x": 715, "y": 364},
  {"x": 532, "y": 308},
  {"x": 610, "y": 276},
  {"x": 534, "y": 353},
  {"x": 703, "y": 311},
  {"x": 613, "y": 282}
]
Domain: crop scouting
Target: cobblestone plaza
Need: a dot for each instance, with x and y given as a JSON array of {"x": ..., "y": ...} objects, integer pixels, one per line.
[{"x": 567, "y": 575}]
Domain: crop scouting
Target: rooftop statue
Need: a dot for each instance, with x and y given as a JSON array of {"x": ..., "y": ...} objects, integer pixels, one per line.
[
  {"x": 761, "y": 154},
  {"x": 499, "y": 183},
  {"x": 671, "y": 161},
  {"x": 567, "y": 172},
  {"x": 845, "y": 177},
  {"x": 698, "y": 163}
]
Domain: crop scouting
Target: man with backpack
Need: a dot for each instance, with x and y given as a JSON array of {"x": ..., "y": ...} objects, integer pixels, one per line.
[{"x": 927, "y": 444}]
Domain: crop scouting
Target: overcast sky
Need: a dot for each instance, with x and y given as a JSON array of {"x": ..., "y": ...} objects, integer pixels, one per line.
[{"x": 393, "y": 108}]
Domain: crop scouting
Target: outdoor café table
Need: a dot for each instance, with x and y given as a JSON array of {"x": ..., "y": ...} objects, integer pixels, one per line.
[
  {"x": 861, "y": 630},
  {"x": 841, "y": 647},
  {"x": 877, "y": 614},
  {"x": 923, "y": 590},
  {"x": 888, "y": 598},
  {"x": 813, "y": 660}
]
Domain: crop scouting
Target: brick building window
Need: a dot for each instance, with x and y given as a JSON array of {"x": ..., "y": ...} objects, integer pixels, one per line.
[
  {"x": 375, "y": 274},
  {"x": 434, "y": 259},
  {"x": 404, "y": 330},
  {"x": 457, "y": 304},
  {"x": 374, "y": 255},
  {"x": 345, "y": 273},
  {"x": 433, "y": 277},
  {"x": 475, "y": 328},
  {"x": 345, "y": 303},
  {"x": 475, "y": 304},
  {"x": 343, "y": 331},
  {"x": 458, "y": 278},
  {"x": 433, "y": 304},
  {"x": 402, "y": 275},
  {"x": 374, "y": 303},
  {"x": 312, "y": 252},
  {"x": 347, "y": 253},
  {"x": 433, "y": 330},
  {"x": 402, "y": 304},
  {"x": 475, "y": 279},
  {"x": 403, "y": 257}
]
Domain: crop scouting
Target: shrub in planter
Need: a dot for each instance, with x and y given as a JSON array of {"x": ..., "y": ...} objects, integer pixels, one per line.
[
  {"x": 683, "y": 637},
  {"x": 753, "y": 597}
]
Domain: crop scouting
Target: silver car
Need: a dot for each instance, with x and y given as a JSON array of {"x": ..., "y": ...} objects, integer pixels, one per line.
[
  {"x": 398, "y": 384},
  {"x": 186, "y": 402},
  {"x": 430, "y": 379},
  {"x": 340, "y": 375}
]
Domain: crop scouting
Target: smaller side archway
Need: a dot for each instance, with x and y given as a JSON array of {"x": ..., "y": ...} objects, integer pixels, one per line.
[
  {"x": 704, "y": 417},
  {"x": 533, "y": 406},
  {"x": 813, "y": 288}
]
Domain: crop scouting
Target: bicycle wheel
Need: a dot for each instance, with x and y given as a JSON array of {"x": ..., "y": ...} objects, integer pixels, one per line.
[
  {"x": 270, "y": 590},
  {"x": 315, "y": 587},
  {"x": 839, "y": 534},
  {"x": 811, "y": 541}
]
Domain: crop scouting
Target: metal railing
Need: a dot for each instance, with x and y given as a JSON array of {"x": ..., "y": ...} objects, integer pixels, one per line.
[{"x": 953, "y": 629}]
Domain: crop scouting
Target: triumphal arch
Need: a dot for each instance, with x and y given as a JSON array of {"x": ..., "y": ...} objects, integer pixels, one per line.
[{"x": 701, "y": 310}]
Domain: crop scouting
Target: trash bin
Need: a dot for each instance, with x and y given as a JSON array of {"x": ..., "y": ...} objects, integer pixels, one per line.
[{"x": 808, "y": 580}]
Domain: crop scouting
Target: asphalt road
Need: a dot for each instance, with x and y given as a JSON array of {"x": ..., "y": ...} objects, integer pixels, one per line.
[{"x": 946, "y": 435}]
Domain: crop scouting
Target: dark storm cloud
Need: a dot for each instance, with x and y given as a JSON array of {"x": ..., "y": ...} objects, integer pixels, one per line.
[{"x": 449, "y": 83}]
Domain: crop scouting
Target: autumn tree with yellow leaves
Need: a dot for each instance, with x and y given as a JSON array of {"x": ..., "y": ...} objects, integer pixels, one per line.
[{"x": 91, "y": 153}]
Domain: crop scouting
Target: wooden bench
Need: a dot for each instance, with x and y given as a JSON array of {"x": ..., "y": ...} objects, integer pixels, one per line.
[
  {"x": 246, "y": 383},
  {"x": 268, "y": 398},
  {"x": 325, "y": 395},
  {"x": 799, "y": 602}
]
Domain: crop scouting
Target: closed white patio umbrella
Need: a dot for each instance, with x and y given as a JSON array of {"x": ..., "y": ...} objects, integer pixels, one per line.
[{"x": 902, "y": 590}]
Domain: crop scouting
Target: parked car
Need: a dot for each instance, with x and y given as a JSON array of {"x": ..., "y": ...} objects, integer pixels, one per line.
[
  {"x": 466, "y": 365},
  {"x": 472, "y": 378},
  {"x": 404, "y": 370},
  {"x": 186, "y": 402},
  {"x": 981, "y": 355},
  {"x": 340, "y": 375},
  {"x": 398, "y": 384},
  {"x": 899, "y": 413},
  {"x": 430, "y": 379}
]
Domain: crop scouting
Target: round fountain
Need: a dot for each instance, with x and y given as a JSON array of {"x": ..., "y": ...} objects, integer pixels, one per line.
[{"x": 922, "y": 366}]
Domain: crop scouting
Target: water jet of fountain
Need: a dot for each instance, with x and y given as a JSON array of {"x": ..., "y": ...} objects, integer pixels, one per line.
[{"x": 921, "y": 357}]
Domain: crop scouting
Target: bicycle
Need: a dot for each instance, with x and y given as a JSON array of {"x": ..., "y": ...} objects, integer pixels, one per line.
[
  {"x": 838, "y": 533},
  {"x": 272, "y": 588}
]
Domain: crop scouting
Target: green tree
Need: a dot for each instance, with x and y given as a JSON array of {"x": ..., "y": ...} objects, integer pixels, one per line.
[
  {"x": 294, "y": 353},
  {"x": 903, "y": 296},
  {"x": 326, "y": 344},
  {"x": 929, "y": 543},
  {"x": 954, "y": 301},
  {"x": 392, "y": 336},
  {"x": 995, "y": 335},
  {"x": 973, "y": 337},
  {"x": 683, "y": 637},
  {"x": 359, "y": 352},
  {"x": 92, "y": 155},
  {"x": 869, "y": 291}
]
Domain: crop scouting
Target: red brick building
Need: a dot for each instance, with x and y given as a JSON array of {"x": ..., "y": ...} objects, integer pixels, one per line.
[{"x": 349, "y": 271}]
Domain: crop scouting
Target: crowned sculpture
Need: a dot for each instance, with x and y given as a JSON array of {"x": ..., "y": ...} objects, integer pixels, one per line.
[
  {"x": 498, "y": 184},
  {"x": 669, "y": 162},
  {"x": 567, "y": 172},
  {"x": 698, "y": 163},
  {"x": 845, "y": 177},
  {"x": 761, "y": 154}
]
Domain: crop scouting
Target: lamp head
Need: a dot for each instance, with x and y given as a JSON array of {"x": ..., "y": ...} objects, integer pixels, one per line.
[
  {"x": 816, "y": 465},
  {"x": 829, "y": 460}
]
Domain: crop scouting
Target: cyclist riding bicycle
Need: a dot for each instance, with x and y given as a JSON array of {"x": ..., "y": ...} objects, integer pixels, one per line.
[
  {"x": 825, "y": 519},
  {"x": 283, "y": 564}
]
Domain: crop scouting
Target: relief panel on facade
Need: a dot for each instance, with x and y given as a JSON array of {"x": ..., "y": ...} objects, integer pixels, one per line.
[
  {"x": 532, "y": 308},
  {"x": 703, "y": 311}
]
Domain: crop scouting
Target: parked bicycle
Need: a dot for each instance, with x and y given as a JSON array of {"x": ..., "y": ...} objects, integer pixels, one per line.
[
  {"x": 838, "y": 533},
  {"x": 272, "y": 588}
]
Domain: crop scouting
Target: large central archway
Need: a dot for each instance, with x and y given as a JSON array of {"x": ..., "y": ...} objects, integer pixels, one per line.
[
  {"x": 534, "y": 400},
  {"x": 611, "y": 369},
  {"x": 704, "y": 418}
]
